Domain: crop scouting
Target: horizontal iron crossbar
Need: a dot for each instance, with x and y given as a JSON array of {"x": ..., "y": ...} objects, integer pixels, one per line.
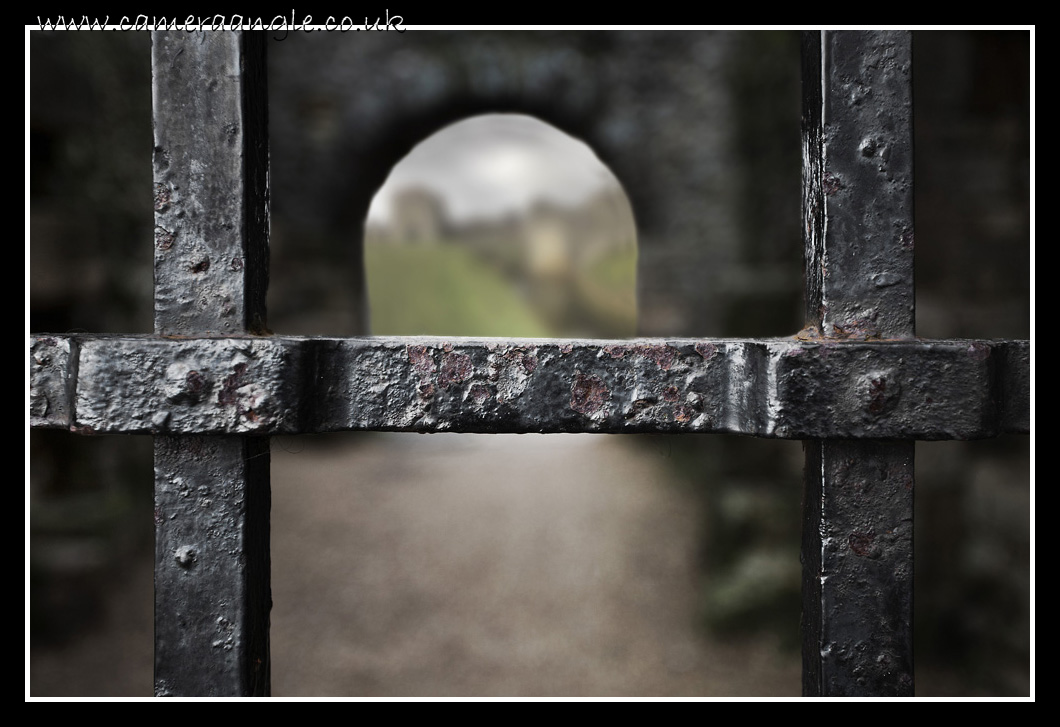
[{"x": 782, "y": 388}]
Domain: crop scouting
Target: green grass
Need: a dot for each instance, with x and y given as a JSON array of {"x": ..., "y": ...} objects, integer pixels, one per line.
[
  {"x": 608, "y": 290},
  {"x": 443, "y": 290}
]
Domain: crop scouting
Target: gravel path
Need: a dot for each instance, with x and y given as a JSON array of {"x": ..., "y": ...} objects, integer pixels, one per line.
[{"x": 468, "y": 565}]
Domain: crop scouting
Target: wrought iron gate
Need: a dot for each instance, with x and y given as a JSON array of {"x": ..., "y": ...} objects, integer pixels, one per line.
[{"x": 211, "y": 384}]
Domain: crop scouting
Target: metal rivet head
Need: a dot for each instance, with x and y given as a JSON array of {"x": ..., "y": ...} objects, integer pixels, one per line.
[{"x": 185, "y": 556}]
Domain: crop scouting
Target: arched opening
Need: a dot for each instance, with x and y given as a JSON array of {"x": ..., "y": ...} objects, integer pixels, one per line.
[
  {"x": 522, "y": 564},
  {"x": 501, "y": 225},
  {"x": 488, "y": 563}
]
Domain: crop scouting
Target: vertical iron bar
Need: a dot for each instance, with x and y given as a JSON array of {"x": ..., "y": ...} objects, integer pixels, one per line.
[
  {"x": 212, "y": 499},
  {"x": 857, "y": 547}
]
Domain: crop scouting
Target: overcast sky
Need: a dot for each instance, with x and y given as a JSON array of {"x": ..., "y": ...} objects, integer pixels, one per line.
[{"x": 490, "y": 165}]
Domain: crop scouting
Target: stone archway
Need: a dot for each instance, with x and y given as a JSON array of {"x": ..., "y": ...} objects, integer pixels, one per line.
[
  {"x": 700, "y": 147},
  {"x": 664, "y": 111}
]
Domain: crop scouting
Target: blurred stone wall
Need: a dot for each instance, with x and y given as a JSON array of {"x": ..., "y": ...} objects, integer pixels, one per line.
[{"x": 701, "y": 129}]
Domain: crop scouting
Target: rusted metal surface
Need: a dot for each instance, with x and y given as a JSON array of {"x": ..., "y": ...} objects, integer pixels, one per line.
[
  {"x": 858, "y": 569},
  {"x": 212, "y": 596},
  {"x": 51, "y": 380},
  {"x": 782, "y": 388},
  {"x": 858, "y": 228},
  {"x": 858, "y": 184},
  {"x": 210, "y": 188}
]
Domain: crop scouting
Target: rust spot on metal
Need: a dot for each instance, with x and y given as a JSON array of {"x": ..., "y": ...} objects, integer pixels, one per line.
[
  {"x": 163, "y": 195},
  {"x": 683, "y": 413},
  {"x": 201, "y": 267},
  {"x": 878, "y": 399},
  {"x": 237, "y": 264},
  {"x": 863, "y": 545},
  {"x": 163, "y": 238},
  {"x": 859, "y": 329},
  {"x": 655, "y": 353},
  {"x": 588, "y": 394},
  {"x": 707, "y": 350},
  {"x": 232, "y": 382},
  {"x": 831, "y": 184},
  {"x": 979, "y": 351},
  {"x": 523, "y": 357},
  {"x": 456, "y": 367},
  {"x": 881, "y": 392},
  {"x": 426, "y": 391},
  {"x": 194, "y": 383},
  {"x": 566, "y": 348},
  {"x": 640, "y": 405},
  {"x": 906, "y": 239},
  {"x": 670, "y": 394},
  {"x": 421, "y": 360},
  {"x": 663, "y": 356},
  {"x": 478, "y": 394}
]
